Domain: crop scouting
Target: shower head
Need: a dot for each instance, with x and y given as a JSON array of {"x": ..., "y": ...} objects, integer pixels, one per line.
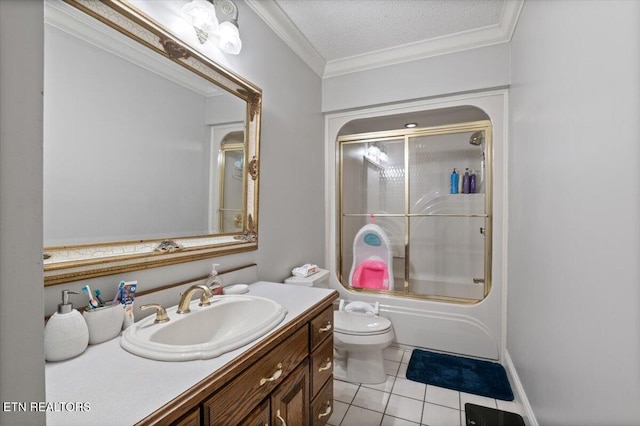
[{"x": 476, "y": 138}]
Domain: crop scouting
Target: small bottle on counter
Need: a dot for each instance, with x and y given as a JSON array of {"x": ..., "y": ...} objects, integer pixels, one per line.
[
  {"x": 213, "y": 281},
  {"x": 66, "y": 334}
]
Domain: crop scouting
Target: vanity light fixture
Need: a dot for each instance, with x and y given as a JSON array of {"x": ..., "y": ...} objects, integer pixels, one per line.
[
  {"x": 410, "y": 125},
  {"x": 203, "y": 16}
]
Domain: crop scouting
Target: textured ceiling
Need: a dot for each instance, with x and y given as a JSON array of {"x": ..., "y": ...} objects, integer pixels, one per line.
[{"x": 339, "y": 29}]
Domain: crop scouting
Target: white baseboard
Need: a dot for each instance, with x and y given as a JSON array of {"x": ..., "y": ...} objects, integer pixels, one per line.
[{"x": 520, "y": 396}]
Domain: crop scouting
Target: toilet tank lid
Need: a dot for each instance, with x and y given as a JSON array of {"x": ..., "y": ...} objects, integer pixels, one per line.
[{"x": 359, "y": 323}]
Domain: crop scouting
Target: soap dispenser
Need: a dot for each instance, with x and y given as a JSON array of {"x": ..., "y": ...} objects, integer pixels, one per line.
[
  {"x": 213, "y": 281},
  {"x": 66, "y": 333}
]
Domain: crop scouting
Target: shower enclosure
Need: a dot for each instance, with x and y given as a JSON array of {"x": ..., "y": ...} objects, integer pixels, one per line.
[
  {"x": 231, "y": 165},
  {"x": 440, "y": 231}
]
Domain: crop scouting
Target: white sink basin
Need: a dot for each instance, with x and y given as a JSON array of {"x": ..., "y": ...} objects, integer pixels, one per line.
[{"x": 231, "y": 321}]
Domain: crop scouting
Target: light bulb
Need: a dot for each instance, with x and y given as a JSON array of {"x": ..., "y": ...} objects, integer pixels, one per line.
[
  {"x": 229, "y": 38},
  {"x": 202, "y": 15}
]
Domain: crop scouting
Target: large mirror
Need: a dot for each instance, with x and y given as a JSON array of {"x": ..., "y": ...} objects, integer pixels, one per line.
[{"x": 150, "y": 149}]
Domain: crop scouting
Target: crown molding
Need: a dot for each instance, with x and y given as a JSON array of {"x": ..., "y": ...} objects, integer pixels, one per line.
[
  {"x": 280, "y": 23},
  {"x": 472, "y": 39},
  {"x": 78, "y": 24}
]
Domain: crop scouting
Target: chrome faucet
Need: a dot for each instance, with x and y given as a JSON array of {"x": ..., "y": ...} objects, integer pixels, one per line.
[{"x": 183, "y": 306}]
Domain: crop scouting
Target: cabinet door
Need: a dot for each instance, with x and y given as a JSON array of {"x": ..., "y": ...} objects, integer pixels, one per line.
[
  {"x": 290, "y": 401},
  {"x": 258, "y": 417}
]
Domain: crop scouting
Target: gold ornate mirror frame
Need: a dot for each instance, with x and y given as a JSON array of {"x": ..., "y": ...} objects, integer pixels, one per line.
[{"x": 72, "y": 263}]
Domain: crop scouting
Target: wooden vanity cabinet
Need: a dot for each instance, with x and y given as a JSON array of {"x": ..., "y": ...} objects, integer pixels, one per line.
[{"x": 285, "y": 380}]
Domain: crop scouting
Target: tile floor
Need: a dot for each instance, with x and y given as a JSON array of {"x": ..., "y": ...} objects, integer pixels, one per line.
[{"x": 402, "y": 402}]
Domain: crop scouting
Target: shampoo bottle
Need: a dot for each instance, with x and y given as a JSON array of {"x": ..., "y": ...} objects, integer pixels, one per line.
[
  {"x": 454, "y": 182},
  {"x": 213, "y": 281},
  {"x": 465, "y": 182},
  {"x": 472, "y": 182},
  {"x": 66, "y": 334}
]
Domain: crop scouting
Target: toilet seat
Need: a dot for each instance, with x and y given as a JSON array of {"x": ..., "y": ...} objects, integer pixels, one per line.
[{"x": 359, "y": 324}]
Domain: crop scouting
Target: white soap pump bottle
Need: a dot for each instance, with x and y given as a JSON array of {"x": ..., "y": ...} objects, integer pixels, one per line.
[
  {"x": 66, "y": 333},
  {"x": 213, "y": 281}
]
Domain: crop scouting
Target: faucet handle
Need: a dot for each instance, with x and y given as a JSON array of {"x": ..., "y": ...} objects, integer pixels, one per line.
[
  {"x": 161, "y": 312},
  {"x": 206, "y": 294},
  {"x": 204, "y": 299}
]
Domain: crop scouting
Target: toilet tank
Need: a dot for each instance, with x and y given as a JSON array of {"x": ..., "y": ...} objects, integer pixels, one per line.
[{"x": 319, "y": 279}]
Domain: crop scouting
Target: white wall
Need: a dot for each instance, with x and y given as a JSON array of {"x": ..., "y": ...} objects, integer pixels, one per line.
[
  {"x": 574, "y": 211},
  {"x": 21, "y": 326},
  {"x": 469, "y": 70}
]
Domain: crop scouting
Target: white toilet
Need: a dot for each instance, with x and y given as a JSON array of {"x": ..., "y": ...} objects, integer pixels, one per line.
[{"x": 359, "y": 336}]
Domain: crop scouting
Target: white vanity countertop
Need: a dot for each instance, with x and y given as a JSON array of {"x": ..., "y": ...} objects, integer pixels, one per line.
[{"x": 119, "y": 388}]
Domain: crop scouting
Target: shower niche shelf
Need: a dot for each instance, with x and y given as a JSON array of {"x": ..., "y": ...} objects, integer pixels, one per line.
[{"x": 441, "y": 241}]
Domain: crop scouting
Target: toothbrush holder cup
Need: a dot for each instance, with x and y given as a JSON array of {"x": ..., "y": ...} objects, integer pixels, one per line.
[{"x": 104, "y": 323}]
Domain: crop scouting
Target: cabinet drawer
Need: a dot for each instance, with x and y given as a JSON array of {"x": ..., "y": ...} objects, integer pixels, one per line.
[
  {"x": 322, "y": 405},
  {"x": 321, "y": 365},
  {"x": 192, "y": 418},
  {"x": 238, "y": 398},
  {"x": 321, "y": 327}
]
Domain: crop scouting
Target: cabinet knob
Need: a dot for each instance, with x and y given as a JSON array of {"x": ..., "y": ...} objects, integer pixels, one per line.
[
  {"x": 326, "y": 412},
  {"x": 326, "y": 327},
  {"x": 279, "y": 417},
  {"x": 326, "y": 366},
  {"x": 275, "y": 376}
]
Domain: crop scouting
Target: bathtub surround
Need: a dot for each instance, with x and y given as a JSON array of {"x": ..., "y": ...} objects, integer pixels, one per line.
[{"x": 478, "y": 327}]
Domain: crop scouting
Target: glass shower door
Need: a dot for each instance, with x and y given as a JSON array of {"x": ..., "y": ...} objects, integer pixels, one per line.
[
  {"x": 447, "y": 225},
  {"x": 439, "y": 231},
  {"x": 372, "y": 190}
]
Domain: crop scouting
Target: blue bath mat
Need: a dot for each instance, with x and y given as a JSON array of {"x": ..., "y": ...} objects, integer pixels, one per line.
[{"x": 462, "y": 374}]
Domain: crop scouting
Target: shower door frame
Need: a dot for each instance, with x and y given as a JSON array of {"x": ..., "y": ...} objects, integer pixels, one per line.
[{"x": 407, "y": 134}]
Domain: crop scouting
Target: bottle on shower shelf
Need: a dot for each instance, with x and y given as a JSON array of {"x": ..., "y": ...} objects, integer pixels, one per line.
[
  {"x": 465, "y": 181},
  {"x": 454, "y": 182},
  {"x": 472, "y": 182}
]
